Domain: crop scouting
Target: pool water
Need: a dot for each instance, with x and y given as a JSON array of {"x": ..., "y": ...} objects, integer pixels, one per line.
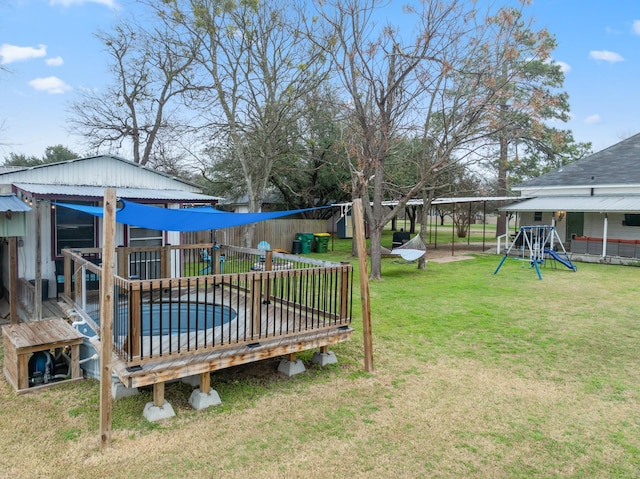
[{"x": 178, "y": 318}]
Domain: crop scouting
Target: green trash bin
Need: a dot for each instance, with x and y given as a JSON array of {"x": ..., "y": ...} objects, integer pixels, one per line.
[
  {"x": 322, "y": 242},
  {"x": 306, "y": 241}
]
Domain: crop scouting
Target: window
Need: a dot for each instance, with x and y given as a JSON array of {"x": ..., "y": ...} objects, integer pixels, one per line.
[
  {"x": 144, "y": 237},
  {"x": 145, "y": 263},
  {"x": 74, "y": 229},
  {"x": 632, "y": 220},
  {"x": 537, "y": 216}
]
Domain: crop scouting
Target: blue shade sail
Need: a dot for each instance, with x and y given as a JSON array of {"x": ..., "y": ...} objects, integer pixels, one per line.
[{"x": 185, "y": 219}]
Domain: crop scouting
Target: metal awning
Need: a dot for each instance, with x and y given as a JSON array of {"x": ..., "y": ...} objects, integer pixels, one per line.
[
  {"x": 443, "y": 201},
  {"x": 591, "y": 204},
  {"x": 97, "y": 192},
  {"x": 472, "y": 199},
  {"x": 12, "y": 203}
]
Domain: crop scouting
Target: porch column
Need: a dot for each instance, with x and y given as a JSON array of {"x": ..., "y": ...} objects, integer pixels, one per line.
[
  {"x": 37, "y": 301},
  {"x": 13, "y": 280},
  {"x": 604, "y": 235}
]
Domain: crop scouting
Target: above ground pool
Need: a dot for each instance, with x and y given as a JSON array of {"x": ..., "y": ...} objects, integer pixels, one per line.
[{"x": 174, "y": 317}]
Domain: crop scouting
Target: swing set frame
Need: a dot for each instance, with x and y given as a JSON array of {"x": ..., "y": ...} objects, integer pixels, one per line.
[{"x": 536, "y": 243}]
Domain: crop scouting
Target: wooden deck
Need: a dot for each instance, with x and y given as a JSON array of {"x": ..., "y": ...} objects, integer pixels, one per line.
[
  {"x": 161, "y": 334},
  {"x": 220, "y": 358},
  {"x": 51, "y": 310}
]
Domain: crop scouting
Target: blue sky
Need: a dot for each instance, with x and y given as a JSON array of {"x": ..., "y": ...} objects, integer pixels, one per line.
[{"x": 51, "y": 53}]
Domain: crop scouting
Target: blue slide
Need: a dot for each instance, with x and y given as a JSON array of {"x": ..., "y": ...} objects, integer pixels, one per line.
[{"x": 565, "y": 261}]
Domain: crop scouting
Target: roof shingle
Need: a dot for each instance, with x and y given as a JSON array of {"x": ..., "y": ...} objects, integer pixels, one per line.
[{"x": 617, "y": 165}]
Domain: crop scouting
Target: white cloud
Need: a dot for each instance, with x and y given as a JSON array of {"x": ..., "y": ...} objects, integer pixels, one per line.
[
  {"x": 54, "y": 62},
  {"x": 635, "y": 28},
  {"x": 51, "y": 85},
  {"x": 69, "y": 3},
  {"x": 14, "y": 53},
  {"x": 606, "y": 56},
  {"x": 592, "y": 119}
]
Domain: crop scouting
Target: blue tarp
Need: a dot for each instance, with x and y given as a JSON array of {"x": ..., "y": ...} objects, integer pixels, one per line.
[{"x": 185, "y": 219}]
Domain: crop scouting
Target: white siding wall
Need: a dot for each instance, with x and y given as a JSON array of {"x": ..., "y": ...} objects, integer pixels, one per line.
[
  {"x": 582, "y": 191},
  {"x": 594, "y": 227},
  {"x": 527, "y": 218},
  {"x": 613, "y": 190},
  {"x": 555, "y": 191}
]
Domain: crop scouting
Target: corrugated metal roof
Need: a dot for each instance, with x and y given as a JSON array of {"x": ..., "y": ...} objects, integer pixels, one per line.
[
  {"x": 56, "y": 191},
  {"x": 472, "y": 199},
  {"x": 12, "y": 203},
  {"x": 597, "y": 204},
  {"x": 443, "y": 201},
  {"x": 46, "y": 167}
]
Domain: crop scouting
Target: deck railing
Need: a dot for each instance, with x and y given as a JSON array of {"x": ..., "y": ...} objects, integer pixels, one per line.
[
  {"x": 26, "y": 296},
  {"x": 201, "y": 297}
]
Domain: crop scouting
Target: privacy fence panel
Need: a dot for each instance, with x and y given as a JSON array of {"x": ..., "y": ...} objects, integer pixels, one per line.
[{"x": 278, "y": 233}]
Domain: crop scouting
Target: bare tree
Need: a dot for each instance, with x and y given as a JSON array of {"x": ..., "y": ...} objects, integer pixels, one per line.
[
  {"x": 398, "y": 87},
  {"x": 444, "y": 87},
  {"x": 151, "y": 72},
  {"x": 255, "y": 65}
]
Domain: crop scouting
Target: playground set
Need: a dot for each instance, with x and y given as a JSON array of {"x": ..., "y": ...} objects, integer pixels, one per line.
[{"x": 538, "y": 244}]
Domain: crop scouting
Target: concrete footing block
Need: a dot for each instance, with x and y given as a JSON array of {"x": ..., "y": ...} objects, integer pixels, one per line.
[
  {"x": 200, "y": 400},
  {"x": 291, "y": 368},
  {"x": 324, "y": 358},
  {"x": 193, "y": 381},
  {"x": 154, "y": 413},
  {"x": 119, "y": 391}
]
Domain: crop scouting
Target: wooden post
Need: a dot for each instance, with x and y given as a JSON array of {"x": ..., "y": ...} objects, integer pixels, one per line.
[
  {"x": 358, "y": 219},
  {"x": 78, "y": 284},
  {"x": 165, "y": 261},
  {"x": 256, "y": 305},
  {"x": 135, "y": 321},
  {"x": 268, "y": 266},
  {"x": 158, "y": 394},
  {"x": 214, "y": 267},
  {"x": 37, "y": 301},
  {"x": 344, "y": 290},
  {"x": 13, "y": 280},
  {"x": 205, "y": 383},
  {"x": 68, "y": 281},
  {"x": 123, "y": 261},
  {"x": 106, "y": 314}
]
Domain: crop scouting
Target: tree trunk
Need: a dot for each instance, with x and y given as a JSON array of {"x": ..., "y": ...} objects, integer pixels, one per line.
[{"x": 375, "y": 240}]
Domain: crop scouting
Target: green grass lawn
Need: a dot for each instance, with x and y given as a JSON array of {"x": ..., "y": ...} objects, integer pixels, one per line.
[{"x": 477, "y": 375}]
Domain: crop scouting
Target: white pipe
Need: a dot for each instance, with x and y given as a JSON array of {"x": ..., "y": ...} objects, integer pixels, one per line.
[
  {"x": 82, "y": 322},
  {"x": 92, "y": 358}
]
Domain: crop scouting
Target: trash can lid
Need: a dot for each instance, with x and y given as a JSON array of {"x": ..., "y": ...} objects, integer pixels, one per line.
[{"x": 322, "y": 234}]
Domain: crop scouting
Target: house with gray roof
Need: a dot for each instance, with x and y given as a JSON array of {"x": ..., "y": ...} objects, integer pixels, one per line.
[{"x": 594, "y": 202}]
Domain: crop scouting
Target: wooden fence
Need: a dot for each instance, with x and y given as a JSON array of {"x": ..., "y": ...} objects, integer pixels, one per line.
[{"x": 278, "y": 233}]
